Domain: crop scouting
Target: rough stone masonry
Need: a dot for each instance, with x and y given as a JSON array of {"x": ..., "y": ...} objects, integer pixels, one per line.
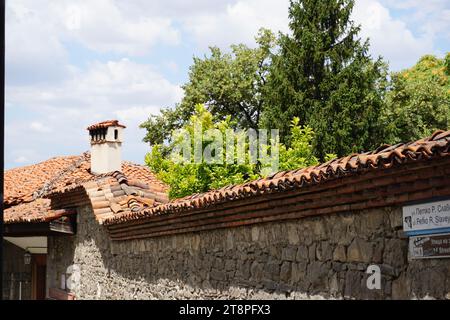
[{"x": 314, "y": 257}]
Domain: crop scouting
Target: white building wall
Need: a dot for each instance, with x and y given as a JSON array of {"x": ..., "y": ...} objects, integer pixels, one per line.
[{"x": 106, "y": 156}]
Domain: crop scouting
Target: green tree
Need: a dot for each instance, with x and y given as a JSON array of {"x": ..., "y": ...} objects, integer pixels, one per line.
[
  {"x": 229, "y": 84},
  {"x": 324, "y": 75},
  {"x": 188, "y": 177},
  {"x": 419, "y": 100},
  {"x": 300, "y": 154}
]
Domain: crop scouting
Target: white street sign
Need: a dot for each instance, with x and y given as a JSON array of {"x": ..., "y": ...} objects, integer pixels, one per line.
[{"x": 426, "y": 216}]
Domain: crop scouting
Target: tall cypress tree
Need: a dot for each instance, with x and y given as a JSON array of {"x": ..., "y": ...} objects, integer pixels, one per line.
[{"x": 324, "y": 75}]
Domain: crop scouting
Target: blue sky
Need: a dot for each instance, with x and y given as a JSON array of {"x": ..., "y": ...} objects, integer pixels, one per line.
[{"x": 72, "y": 63}]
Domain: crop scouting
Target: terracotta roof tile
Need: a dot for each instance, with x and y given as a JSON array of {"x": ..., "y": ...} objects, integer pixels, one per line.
[
  {"x": 105, "y": 124},
  {"x": 32, "y": 212},
  {"x": 438, "y": 145},
  {"x": 26, "y": 186},
  {"x": 21, "y": 183}
]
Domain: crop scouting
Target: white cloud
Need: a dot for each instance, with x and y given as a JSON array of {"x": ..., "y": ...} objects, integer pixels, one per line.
[
  {"x": 101, "y": 26},
  {"x": 239, "y": 22},
  {"x": 22, "y": 153},
  {"x": 172, "y": 66},
  {"x": 388, "y": 36},
  {"x": 34, "y": 52},
  {"x": 431, "y": 17},
  {"x": 21, "y": 159},
  {"x": 121, "y": 88},
  {"x": 102, "y": 87},
  {"x": 39, "y": 127},
  {"x": 172, "y": 8},
  {"x": 37, "y": 31},
  {"x": 43, "y": 86},
  {"x": 136, "y": 113},
  {"x": 133, "y": 135}
]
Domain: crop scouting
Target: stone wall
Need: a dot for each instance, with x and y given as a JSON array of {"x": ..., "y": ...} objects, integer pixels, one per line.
[
  {"x": 315, "y": 257},
  {"x": 16, "y": 275}
]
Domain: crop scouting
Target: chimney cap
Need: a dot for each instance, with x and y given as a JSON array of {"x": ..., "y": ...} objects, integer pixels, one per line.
[{"x": 105, "y": 124}]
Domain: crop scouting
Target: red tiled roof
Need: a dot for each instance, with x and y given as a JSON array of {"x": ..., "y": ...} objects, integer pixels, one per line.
[
  {"x": 20, "y": 183},
  {"x": 386, "y": 156},
  {"x": 25, "y": 186},
  {"x": 106, "y": 124},
  {"x": 32, "y": 212},
  {"x": 110, "y": 194}
]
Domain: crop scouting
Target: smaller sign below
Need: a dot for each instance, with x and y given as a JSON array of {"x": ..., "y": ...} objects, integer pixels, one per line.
[
  {"x": 430, "y": 246},
  {"x": 426, "y": 218}
]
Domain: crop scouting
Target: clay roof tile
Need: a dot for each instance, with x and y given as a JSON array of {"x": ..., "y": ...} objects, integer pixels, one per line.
[
  {"x": 105, "y": 124},
  {"x": 385, "y": 156},
  {"x": 25, "y": 187}
]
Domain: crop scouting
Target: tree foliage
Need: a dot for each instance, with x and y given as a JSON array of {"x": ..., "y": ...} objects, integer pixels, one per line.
[
  {"x": 228, "y": 83},
  {"x": 325, "y": 76},
  {"x": 318, "y": 85},
  {"x": 188, "y": 177},
  {"x": 419, "y": 100}
]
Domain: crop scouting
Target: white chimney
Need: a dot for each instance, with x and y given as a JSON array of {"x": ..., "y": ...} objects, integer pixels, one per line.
[{"x": 106, "y": 143}]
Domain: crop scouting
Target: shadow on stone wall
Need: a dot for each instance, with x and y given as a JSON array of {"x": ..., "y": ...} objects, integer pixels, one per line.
[
  {"x": 319, "y": 256},
  {"x": 16, "y": 274}
]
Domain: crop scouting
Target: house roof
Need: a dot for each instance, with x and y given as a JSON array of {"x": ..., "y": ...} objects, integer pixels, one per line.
[
  {"x": 32, "y": 212},
  {"x": 110, "y": 194},
  {"x": 20, "y": 183},
  {"x": 26, "y": 187},
  {"x": 384, "y": 157},
  {"x": 105, "y": 124}
]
